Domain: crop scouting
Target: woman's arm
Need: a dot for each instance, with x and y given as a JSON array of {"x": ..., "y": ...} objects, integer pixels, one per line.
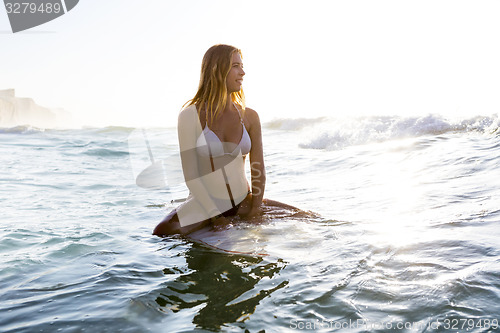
[{"x": 258, "y": 170}]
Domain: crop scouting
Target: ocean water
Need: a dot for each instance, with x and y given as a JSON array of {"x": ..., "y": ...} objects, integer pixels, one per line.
[{"x": 406, "y": 236}]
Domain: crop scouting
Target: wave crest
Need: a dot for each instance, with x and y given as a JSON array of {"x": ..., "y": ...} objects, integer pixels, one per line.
[{"x": 336, "y": 134}]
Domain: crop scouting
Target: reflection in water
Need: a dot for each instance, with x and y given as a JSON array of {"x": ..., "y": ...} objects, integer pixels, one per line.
[{"x": 222, "y": 285}]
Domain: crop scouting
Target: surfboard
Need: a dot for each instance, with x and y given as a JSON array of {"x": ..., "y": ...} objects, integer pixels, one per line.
[
  {"x": 256, "y": 237},
  {"x": 242, "y": 239}
]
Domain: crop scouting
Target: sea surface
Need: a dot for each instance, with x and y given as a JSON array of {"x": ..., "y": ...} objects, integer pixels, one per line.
[{"x": 406, "y": 236}]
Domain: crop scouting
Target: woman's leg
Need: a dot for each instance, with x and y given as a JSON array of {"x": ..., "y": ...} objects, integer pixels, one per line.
[
  {"x": 274, "y": 203},
  {"x": 246, "y": 204},
  {"x": 280, "y": 206},
  {"x": 169, "y": 225},
  {"x": 190, "y": 213}
]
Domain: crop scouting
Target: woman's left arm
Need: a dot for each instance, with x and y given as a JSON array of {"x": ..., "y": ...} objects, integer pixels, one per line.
[{"x": 258, "y": 170}]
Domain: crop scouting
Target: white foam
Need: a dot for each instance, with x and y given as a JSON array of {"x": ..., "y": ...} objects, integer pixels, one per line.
[{"x": 334, "y": 134}]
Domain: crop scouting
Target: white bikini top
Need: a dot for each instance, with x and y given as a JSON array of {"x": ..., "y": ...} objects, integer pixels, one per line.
[{"x": 209, "y": 144}]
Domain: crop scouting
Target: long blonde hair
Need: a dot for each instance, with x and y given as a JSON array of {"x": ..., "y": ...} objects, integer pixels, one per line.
[{"x": 212, "y": 90}]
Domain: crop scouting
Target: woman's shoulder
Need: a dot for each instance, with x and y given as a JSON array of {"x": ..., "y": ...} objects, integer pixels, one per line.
[
  {"x": 188, "y": 112},
  {"x": 188, "y": 109},
  {"x": 252, "y": 120},
  {"x": 188, "y": 118},
  {"x": 251, "y": 114}
]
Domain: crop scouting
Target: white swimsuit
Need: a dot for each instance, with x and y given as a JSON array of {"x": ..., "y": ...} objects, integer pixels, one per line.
[{"x": 209, "y": 144}]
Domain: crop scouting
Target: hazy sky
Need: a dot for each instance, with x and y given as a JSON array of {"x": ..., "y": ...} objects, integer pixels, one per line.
[{"x": 136, "y": 62}]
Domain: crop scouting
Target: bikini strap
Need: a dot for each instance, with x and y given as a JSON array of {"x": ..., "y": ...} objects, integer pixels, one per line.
[{"x": 239, "y": 114}]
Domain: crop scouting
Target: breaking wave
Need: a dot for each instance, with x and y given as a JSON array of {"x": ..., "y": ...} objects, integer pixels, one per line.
[{"x": 333, "y": 134}]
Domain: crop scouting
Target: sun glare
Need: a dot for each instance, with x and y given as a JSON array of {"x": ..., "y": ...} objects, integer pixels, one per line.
[{"x": 398, "y": 194}]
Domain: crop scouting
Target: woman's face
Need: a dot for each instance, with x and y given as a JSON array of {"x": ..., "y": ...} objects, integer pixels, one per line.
[{"x": 234, "y": 78}]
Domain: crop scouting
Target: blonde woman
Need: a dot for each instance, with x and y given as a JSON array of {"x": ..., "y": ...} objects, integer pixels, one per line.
[{"x": 216, "y": 132}]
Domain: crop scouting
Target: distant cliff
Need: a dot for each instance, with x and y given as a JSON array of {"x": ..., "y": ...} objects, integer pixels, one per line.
[{"x": 19, "y": 111}]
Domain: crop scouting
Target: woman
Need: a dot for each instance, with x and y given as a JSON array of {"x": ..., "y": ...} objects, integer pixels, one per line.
[{"x": 216, "y": 132}]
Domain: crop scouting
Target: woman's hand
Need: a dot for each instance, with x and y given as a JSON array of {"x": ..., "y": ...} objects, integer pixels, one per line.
[
  {"x": 245, "y": 206},
  {"x": 247, "y": 209},
  {"x": 254, "y": 211}
]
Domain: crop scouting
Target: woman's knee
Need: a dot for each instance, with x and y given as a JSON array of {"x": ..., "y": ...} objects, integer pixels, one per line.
[{"x": 168, "y": 226}]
